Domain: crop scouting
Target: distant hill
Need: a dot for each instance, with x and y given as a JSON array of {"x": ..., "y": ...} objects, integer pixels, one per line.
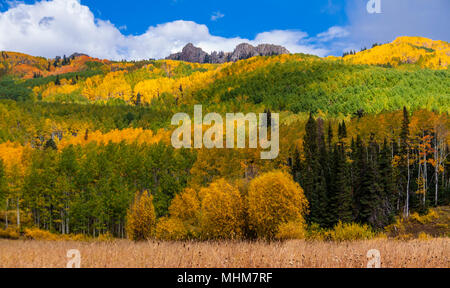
[
  {"x": 193, "y": 54},
  {"x": 423, "y": 52},
  {"x": 411, "y": 72},
  {"x": 412, "y": 51},
  {"x": 27, "y": 67}
]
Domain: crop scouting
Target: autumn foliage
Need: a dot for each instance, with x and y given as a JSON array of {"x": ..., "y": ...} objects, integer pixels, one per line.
[
  {"x": 222, "y": 211},
  {"x": 141, "y": 218},
  {"x": 365, "y": 136},
  {"x": 275, "y": 199}
]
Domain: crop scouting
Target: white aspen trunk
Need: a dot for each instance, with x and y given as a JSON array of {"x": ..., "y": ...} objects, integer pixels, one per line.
[
  {"x": 407, "y": 190},
  {"x": 18, "y": 213},
  {"x": 436, "y": 169},
  {"x": 63, "y": 224},
  {"x": 425, "y": 172},
  {"x": 6, "y": 216}
]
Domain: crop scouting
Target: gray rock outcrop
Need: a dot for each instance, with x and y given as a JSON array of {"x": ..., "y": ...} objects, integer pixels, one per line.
[{"x": 193, "y": 54}]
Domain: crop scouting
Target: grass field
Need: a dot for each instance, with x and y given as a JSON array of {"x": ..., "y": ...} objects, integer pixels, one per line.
[{"x": 433, "y": 253}]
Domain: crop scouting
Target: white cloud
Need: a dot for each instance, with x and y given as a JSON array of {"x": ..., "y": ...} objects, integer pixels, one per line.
[
  {"x": 295, "y": 41},
  {"x": 333, "y": 33},
  {"x": 426, "y": 18},
  {"x": 57, "y": 27},
  {"x": 216, "y": 16}
]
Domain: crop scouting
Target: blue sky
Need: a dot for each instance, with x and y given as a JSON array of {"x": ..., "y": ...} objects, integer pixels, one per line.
[
  {"x": 153, "y": 29},
  {"x": 240, "y": 18}
]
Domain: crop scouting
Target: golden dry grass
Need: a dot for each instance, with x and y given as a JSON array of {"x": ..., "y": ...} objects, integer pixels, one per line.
[{"x": 293, "y": 254}]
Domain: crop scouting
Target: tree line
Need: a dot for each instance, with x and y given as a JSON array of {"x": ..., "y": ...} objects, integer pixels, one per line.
[{"x": 371, "y": 182}]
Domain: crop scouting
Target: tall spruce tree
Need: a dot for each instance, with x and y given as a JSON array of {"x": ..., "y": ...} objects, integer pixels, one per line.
[
  {"x": 313, "y": 179},
  {"x": 343, "y": 191}
]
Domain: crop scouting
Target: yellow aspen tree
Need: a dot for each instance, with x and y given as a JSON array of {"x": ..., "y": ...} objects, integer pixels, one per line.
[
  {"x": 141, "y": 217},
  {"x": 275, "y": 199},
  {"x": 222, "y": 211}
]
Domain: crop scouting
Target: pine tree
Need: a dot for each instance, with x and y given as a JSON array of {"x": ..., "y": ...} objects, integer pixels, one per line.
[
  {"x": 50, "y": 144},
  {"x": 296, "y": 166},
  {"x": 330, "y": 136},
  {"x": 343, "y": 192},
  {"x": 313, "y": 179},
  {"x": 138, "y": 99},
  {"x": 370, "y": 188}
]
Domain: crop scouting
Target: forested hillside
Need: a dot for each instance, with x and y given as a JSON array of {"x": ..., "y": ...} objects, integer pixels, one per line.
[{"x": 85, "y": 143}]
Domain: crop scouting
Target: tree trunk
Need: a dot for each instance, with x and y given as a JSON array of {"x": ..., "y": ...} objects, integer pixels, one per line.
[
  {"x": 436, "y": 169},
  {"x": 18, "y": 213},
  {"x": 407, "y": 189},
  {"x": 6, "y": 216}
]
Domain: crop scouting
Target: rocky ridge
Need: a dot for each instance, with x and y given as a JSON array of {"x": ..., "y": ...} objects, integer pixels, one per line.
[{"x": 193, "y": 54}]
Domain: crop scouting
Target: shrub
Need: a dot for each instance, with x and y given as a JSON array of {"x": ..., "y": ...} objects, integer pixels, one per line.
[
  {"x": 316, "y": 233},
  {"x": 141, "y": 217},
  {"x": 425, "y": 219},
  {"x": 222, "y": 211},
  {"x": 38, "y": 234},
  {"x": 9, "y": 233},
  {"x": 351, "y": 232},
  {"x": 424, "y": 236},
  {"x": 405, "y": 237},
  {"x": 104, "y": 237},
  {"x": 273, "y": 199},
  {"x": 171, "y": 229},
  {"x": 292, "y": 230}
]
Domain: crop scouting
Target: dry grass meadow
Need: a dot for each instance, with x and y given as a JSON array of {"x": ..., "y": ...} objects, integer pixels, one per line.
[{"x": 293, "y": 254}]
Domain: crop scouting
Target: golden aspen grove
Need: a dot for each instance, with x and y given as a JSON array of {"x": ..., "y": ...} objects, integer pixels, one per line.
[{"x": 86, "y": 157}]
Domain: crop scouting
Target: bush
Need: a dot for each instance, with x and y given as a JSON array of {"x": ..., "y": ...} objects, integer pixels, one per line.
[
  {"x": 351, "y": 232},
  {"x": 38, "y": 234},
  {"x": 424, "y": 236},
  {"x": 222, "y": 211},
  {"x": 425, "y": 219},
  {"x": 9, "y": 233},
  {"x": 274, "y": 199},
  {"x": 105, "y": 237},
  {"x": 141, "y": 218},
  {"x": 316, "y": 233},
  {"x": 292, "y": 230},
  {"x": 171, "y": 229}
]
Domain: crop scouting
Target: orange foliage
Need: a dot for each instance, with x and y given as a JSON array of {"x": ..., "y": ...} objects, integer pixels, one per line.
[{"x": 129, "y": 135}]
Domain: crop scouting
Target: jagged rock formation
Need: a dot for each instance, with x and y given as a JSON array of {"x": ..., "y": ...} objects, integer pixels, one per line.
[
  {"x": 190, "y": 53},
  {"x": 76, "y": 55}
]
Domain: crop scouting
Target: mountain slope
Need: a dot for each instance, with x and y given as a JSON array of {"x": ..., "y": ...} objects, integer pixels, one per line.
[
  {"x": 288, "y": 82},
  {"x": 26, "y": 66},
  {"x": 424, "y": 52}
]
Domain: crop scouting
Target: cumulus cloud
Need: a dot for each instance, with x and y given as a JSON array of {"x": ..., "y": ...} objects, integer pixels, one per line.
[
  {"x": 58, "y": 27},
  {"x": 295, "y": 41},
  {"x": 426, "y": 18},
  {"x": 333, "y": 33}
]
